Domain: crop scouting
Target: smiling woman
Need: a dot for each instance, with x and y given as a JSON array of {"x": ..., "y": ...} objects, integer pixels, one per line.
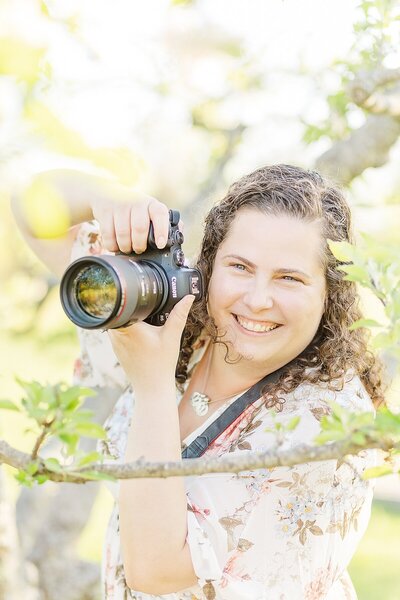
[
  {"x": 274, "y": 300},
  {"x": 268, "y": 317},
  {"x": 273, "y": 296}
]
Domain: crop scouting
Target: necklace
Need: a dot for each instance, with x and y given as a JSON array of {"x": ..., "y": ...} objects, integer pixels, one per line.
[{"x": 199, "y": 400}]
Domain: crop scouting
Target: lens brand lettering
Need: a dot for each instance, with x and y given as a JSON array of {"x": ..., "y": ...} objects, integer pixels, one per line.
[{"x": 173, "y": 286}]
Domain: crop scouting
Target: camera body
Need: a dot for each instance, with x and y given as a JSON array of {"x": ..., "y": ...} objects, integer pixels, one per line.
[
  {"x": 170, "y": 261},
  {"x": 111, "y": 291}
]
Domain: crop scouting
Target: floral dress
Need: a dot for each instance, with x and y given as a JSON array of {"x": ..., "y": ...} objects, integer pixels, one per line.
[{"x": 285, "y": 533}]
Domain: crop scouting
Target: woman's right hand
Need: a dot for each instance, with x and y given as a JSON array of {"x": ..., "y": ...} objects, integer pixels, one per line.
[{"x": 124, "y": 226}]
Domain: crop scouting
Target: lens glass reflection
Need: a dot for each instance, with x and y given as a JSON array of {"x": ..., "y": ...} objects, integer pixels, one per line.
[{"x": 95, "y": 291}]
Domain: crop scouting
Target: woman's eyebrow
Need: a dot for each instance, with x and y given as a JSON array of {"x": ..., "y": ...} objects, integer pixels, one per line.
[{"x": 281, "y": 270}]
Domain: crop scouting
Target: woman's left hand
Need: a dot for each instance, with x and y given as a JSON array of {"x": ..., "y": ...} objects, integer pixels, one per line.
[{"x": 149, "y": 354}]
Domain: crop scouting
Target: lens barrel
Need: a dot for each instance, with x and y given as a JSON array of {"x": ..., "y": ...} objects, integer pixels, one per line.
[{"x": 111, "y": 291}]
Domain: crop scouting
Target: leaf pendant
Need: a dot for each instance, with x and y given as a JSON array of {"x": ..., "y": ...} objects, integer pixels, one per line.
[{"x": 200, "y": 402}]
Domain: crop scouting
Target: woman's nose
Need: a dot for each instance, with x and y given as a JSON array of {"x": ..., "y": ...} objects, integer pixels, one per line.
[{"x": 259, "y": 297}]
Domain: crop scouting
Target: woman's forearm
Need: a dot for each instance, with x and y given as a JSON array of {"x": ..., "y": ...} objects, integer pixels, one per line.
[
  {"x": 49, "y": 208},
  {"x": 153, "y": 512},
  {"x": 76, "y": 190}
]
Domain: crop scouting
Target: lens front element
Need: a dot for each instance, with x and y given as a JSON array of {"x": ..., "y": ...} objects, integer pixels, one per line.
[
  {"x": 102, "y": 292},
  {"x": 95, "y": 291}
]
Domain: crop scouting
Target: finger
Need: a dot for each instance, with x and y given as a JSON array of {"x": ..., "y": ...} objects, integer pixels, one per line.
[
  {"x": 140, "y": 224},
  {"x": 107, "y": 229},
  {"x": 178, "y": 316},
  {"x": 159, "y": 216},
  {"x": 122, "y": 227}
]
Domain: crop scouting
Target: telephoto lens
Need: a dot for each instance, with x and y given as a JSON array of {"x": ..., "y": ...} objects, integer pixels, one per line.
[{"x": 111, "y": 291}]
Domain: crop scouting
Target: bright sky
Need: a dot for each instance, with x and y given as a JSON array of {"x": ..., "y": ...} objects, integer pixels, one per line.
[{"x": 103, "y": 79}]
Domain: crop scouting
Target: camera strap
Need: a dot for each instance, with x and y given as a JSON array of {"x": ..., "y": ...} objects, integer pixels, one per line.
[{"x": 207, "y": 437}]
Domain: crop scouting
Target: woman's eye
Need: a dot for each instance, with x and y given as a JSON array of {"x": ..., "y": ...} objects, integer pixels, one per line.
[
  {"x": 239, "y": 266},
  {"x": 289, "y": 277}
]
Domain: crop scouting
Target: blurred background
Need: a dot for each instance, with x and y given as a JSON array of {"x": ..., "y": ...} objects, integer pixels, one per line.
[{"x": 178, "y": 99}]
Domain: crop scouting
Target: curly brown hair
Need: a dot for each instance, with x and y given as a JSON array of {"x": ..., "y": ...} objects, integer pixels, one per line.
[{"x": 335, "y": 349}]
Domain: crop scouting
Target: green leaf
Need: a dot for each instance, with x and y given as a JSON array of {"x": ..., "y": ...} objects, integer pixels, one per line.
[
  {"x": 52, "y": 464},
  {"x": 329, "y": 436},
  {"x": 341, "y": 413},
  {"x": 32, "y": 389},
  {"x": 355, "y": 273},
  {"x": 81, "y": 415},
  {"x": 48, "y": 396},
  {"x": 377, "y": 471},
  {"x": 364, "y": 323},
  {"x": 71, "y": 440},
  {"x": 8, "y": 405},
  {"x": 32, "y": 468},
  {"x": 362, "y": 420},
  {"x": 89, "y": 458},
  {"x": 343, "y": 251},
  {"x": 92, "y": 430},
  {"x": 358, "y": 438},
  {"x": 73, "y": 396},
  {"x": 40, "y": 479},
  {"x": 24, "y": 479},
  {"x": 293, "y": 423}
]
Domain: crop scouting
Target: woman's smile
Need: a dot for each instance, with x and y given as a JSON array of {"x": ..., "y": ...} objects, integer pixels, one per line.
[{"x": 251, "y": 326}]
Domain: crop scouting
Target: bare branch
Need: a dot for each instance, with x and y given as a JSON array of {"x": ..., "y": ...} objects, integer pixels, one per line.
[
  {"x": 366, "y": 83},
  {"x": 199, "y": 466},
  {"x": 40, "y": 440},
  {"x": 384, "y": 104},
  {"x": 368, "y": 146}
]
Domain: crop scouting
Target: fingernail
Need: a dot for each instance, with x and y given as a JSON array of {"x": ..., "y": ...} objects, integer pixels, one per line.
[{"x": 161, "y": 242}]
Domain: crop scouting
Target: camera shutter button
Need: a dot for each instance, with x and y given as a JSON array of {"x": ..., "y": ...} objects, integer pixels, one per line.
[{"x": 179, "y": 258}]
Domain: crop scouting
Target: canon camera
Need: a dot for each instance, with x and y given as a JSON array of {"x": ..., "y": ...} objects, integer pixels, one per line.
[{"x": 111, "y": 291}]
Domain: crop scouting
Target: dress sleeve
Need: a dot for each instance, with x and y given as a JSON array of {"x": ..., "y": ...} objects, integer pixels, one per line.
[
  {"x": 96, "y": 365},
  {"x": 281, "y": 533}
]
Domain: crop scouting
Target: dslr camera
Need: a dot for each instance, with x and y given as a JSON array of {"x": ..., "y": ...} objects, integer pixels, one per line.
[{"x": 111, "y": 291}]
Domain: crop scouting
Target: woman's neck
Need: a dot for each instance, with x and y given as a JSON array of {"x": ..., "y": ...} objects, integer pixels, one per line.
[{"x": 225, "y": 378}]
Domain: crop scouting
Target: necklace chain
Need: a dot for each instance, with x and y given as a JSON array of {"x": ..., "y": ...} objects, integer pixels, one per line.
[{"x": 200, "y": 401}]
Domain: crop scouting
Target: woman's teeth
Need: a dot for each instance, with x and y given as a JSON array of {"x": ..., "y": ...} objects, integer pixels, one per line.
[{"x": 256, "y": 326}]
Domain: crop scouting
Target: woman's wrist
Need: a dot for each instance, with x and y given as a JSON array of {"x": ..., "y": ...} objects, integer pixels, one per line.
[{"x": 152, "y": 391}]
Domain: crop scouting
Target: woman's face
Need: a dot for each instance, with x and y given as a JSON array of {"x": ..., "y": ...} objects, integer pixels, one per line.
[{"x": 267, "y": 288}]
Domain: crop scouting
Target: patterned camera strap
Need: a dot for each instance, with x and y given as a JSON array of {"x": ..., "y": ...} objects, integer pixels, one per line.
[{"x": 234, "y": 410}]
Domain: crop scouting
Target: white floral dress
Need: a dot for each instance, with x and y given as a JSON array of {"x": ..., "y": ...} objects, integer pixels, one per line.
[{"x": 269, "y": 534}]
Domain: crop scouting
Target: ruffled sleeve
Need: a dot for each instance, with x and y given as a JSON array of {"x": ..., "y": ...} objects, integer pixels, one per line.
[
  {"x": 96, "y": 365},
  {"x": 282, "y": 533}
]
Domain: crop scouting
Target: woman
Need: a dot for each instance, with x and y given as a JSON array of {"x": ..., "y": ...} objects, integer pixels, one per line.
[{"x": 273, "y": 296}]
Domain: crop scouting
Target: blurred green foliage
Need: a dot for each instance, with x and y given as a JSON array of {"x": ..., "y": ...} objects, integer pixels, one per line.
[
  {"x": 57, "y": 414},
  {"x": 376, "y": 266},
  {"x": 375, "y": 567},
  {"x": 376, "y": 37}
]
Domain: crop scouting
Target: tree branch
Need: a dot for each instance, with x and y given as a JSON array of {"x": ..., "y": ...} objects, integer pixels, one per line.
[
  {"x": 199, "y": 466},
  {"x": 40, "y": 440},
  {"x": 365, "y": 84},
  {"x": 366, "y": 147}
]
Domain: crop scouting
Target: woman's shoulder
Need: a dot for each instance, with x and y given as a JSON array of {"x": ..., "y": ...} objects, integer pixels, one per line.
[{"x": 347, "y": 391}]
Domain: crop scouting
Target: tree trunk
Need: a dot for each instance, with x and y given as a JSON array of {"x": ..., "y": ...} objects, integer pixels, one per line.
[{"x": 51, "y": 519}]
